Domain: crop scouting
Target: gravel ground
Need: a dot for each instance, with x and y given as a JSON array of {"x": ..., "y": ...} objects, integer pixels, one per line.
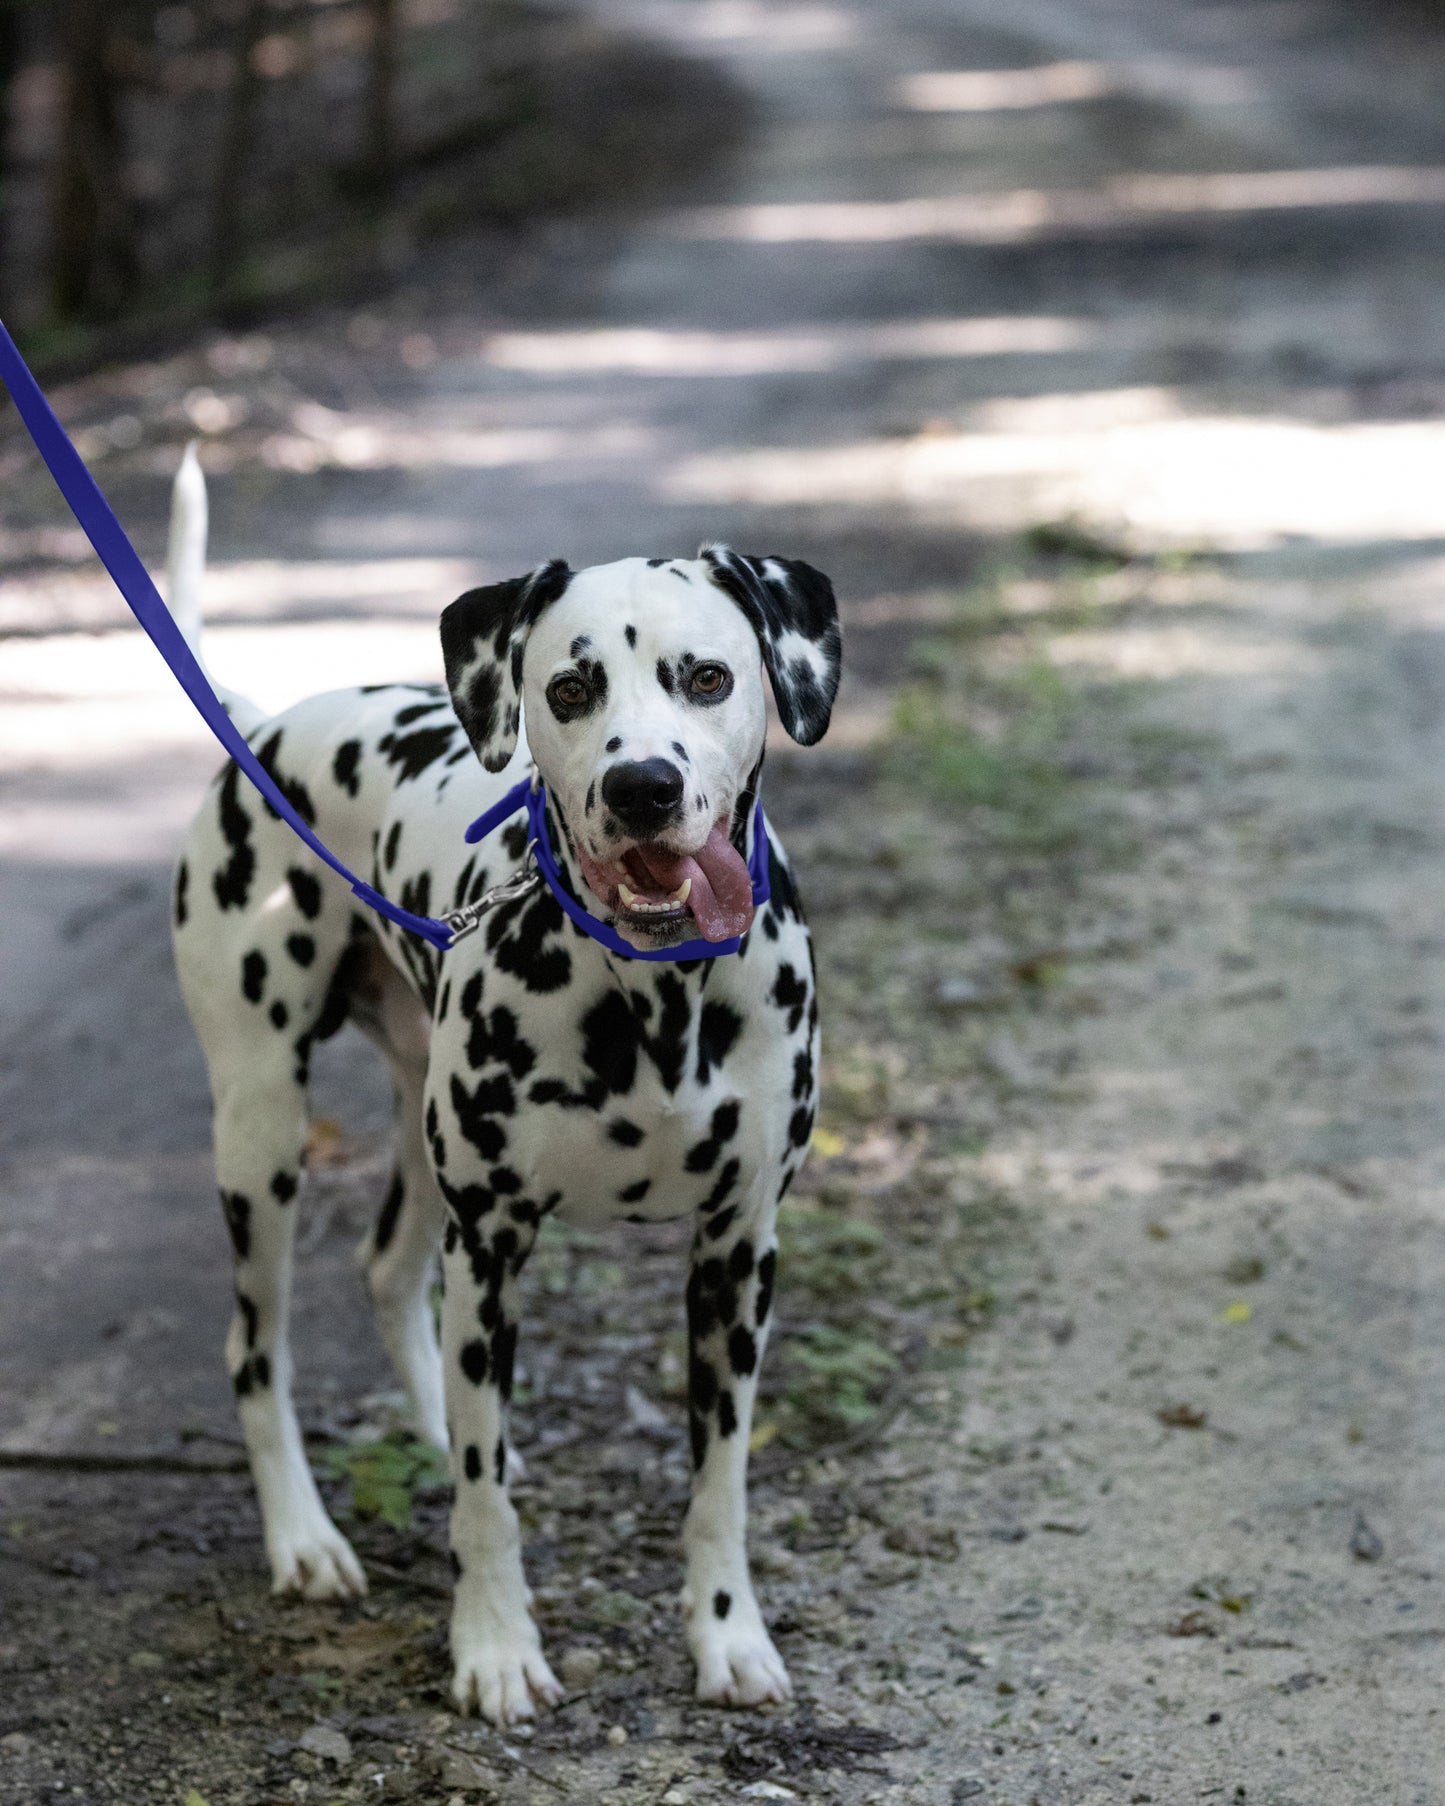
[{"x": 1098, "y": 350}]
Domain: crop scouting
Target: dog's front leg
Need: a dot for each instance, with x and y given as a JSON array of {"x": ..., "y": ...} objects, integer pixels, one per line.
[
  {"x": 499, "y": 1668},
  {"x": 729, "y": 1300}
]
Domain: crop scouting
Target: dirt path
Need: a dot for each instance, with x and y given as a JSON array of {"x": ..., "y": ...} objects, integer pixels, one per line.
[{"x": 1108, "y": 1456}]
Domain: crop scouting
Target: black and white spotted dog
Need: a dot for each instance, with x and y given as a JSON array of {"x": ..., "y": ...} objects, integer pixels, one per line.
[{"x": 534, "y": 1070}]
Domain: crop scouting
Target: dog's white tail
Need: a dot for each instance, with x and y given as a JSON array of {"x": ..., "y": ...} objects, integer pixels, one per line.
[{"x": 185, "y": 575}]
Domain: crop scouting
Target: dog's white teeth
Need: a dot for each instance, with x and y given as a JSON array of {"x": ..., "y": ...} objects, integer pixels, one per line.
[
  {"x": 683, "y": 892},
  {"x": 629, "y": 897}
]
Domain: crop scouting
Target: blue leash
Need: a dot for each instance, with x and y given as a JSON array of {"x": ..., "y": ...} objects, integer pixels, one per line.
[{"x": 120, "y": 558}]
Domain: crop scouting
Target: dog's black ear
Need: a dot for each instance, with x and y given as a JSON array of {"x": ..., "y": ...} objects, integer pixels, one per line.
[
  {"x": 795, "y": 616},
  {"x": 484, "y": 634}
]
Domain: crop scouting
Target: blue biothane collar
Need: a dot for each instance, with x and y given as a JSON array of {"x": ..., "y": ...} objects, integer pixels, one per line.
[
  {"x": 531, "y": 794},
  {"x": 120, "y": 558}
]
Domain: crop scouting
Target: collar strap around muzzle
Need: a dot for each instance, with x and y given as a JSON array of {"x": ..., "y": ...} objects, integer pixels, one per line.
[{"x": 531, "y": 794}]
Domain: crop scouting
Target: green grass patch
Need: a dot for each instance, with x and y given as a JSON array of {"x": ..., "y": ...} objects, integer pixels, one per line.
[
  {"x": 386, "y": 1475},
  {"x": 829, "y": 1255},
  {"x": 835, "y": 1381}
]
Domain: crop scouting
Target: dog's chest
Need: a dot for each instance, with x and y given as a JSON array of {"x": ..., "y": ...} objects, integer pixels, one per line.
[
  {"x": 604, "y": 1099},
  {"x": 638, "y": 1161}
]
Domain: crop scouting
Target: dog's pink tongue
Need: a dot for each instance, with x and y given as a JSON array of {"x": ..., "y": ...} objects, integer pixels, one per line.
[{"x": 721, "y": 898}]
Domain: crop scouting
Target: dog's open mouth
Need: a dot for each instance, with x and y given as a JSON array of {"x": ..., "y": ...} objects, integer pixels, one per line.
[{"x": 654, "y": 891}]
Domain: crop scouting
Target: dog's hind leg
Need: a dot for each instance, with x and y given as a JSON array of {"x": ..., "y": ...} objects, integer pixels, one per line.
[
  {"x": 260, "y": 1136},
  {"x": 729, "y": 1304},
  {"x": 399, "y": 1253},
  {"x": 257, "y": 1018}
]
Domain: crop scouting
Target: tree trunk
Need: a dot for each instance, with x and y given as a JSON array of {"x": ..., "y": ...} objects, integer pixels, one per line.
[
  {"x": 12, "y": 51},
  {"x": 93, "y": 264},
  {"x": 381, "y": 96},
  {"x": 227, "y": 237}
]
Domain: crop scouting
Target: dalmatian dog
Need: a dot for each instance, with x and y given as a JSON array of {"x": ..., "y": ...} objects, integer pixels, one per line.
[{"x": 534, "y": 1070}]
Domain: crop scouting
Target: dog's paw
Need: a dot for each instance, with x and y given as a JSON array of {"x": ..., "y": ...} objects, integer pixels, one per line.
[
  {"x": 503, "y": 1675},
  {"x": 737, "y": 1665},
  {"x": 315, "y": 1562}
]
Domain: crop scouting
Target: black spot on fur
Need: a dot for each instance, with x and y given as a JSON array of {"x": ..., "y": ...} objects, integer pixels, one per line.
[
  {"x": 613, "y": 1036},
  {"x": 283, "y": 1187},
  {"x": 499, "y": 1461},
  {"x": 626, "y": 1134},
  {"x": 393, "y": 844},
  {"x": 667, "y": 677},
  {"x": 613, "y": 744},
  {"x": 742, "y": 1351},
  {"x": 237, "y": 1209},
  {"x": 800, "y": 1128},
  {"x": 634, "y": 1193},
  {"x": 630, "y": 634},
  {"x": 472, "y": 1462},
  {"x": 720, "y": 1192},
  {"x": 232, "y": 884},
  {"x": 344, "y": 766},
  {"x": 306, "y": 889},
  {"x": 473, "y": 1359},
  {"x": 302, "y": 948},
  {"x": 412, "y": 754},
  {"x": 522, "y": 937},
  {"x": 389, "y": 1215},
  {"x": 253, "y": 975},
  {"x": 504, "y": 1355},
  {"x": 783, "y": 891},
  {"x": 249, "y": 1316},
  {"x": 740, "y": 1261},
  {"x": 415, "y": 710},
  {"x": 495, "y": 1040},
  {"x": 280, "y": 1015},
  {"x": 454, "y": 1562},
  {"x": 476, "y": 1113},
  {"x": 727, "y": 1414},
  {"x": 717, "y": 1030},
  {"x": 295, "y": 792},
  {"x": 722, "y": 1604},
  {"x": 701, "y": 1386},
  {"x": 703, "y": 1157},
  {"x": 183, "y": 885},
  {"x": 790, "y": 993},
  {"x": 767, "y": 1270}
]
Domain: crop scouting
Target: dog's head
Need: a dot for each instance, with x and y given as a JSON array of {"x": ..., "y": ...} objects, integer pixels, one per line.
[{"x": 642, "y": 684}]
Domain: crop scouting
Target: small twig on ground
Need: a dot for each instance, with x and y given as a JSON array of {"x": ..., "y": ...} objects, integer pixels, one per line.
[
  {"x": 404, "y": 1577},
  {"x": 80, "y": 1462}
]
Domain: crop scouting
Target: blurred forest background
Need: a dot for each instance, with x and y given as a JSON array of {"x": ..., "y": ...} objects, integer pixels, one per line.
[{"x": 169, "y": 162}]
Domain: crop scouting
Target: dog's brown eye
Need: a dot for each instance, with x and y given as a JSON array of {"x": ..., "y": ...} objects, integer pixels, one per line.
[
  {"x": 571, "y": 692},
  {"x": 707, "y": 680}
]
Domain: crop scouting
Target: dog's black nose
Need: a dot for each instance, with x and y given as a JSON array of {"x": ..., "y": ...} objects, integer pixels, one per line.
[{"x": 643, "y": 794}]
